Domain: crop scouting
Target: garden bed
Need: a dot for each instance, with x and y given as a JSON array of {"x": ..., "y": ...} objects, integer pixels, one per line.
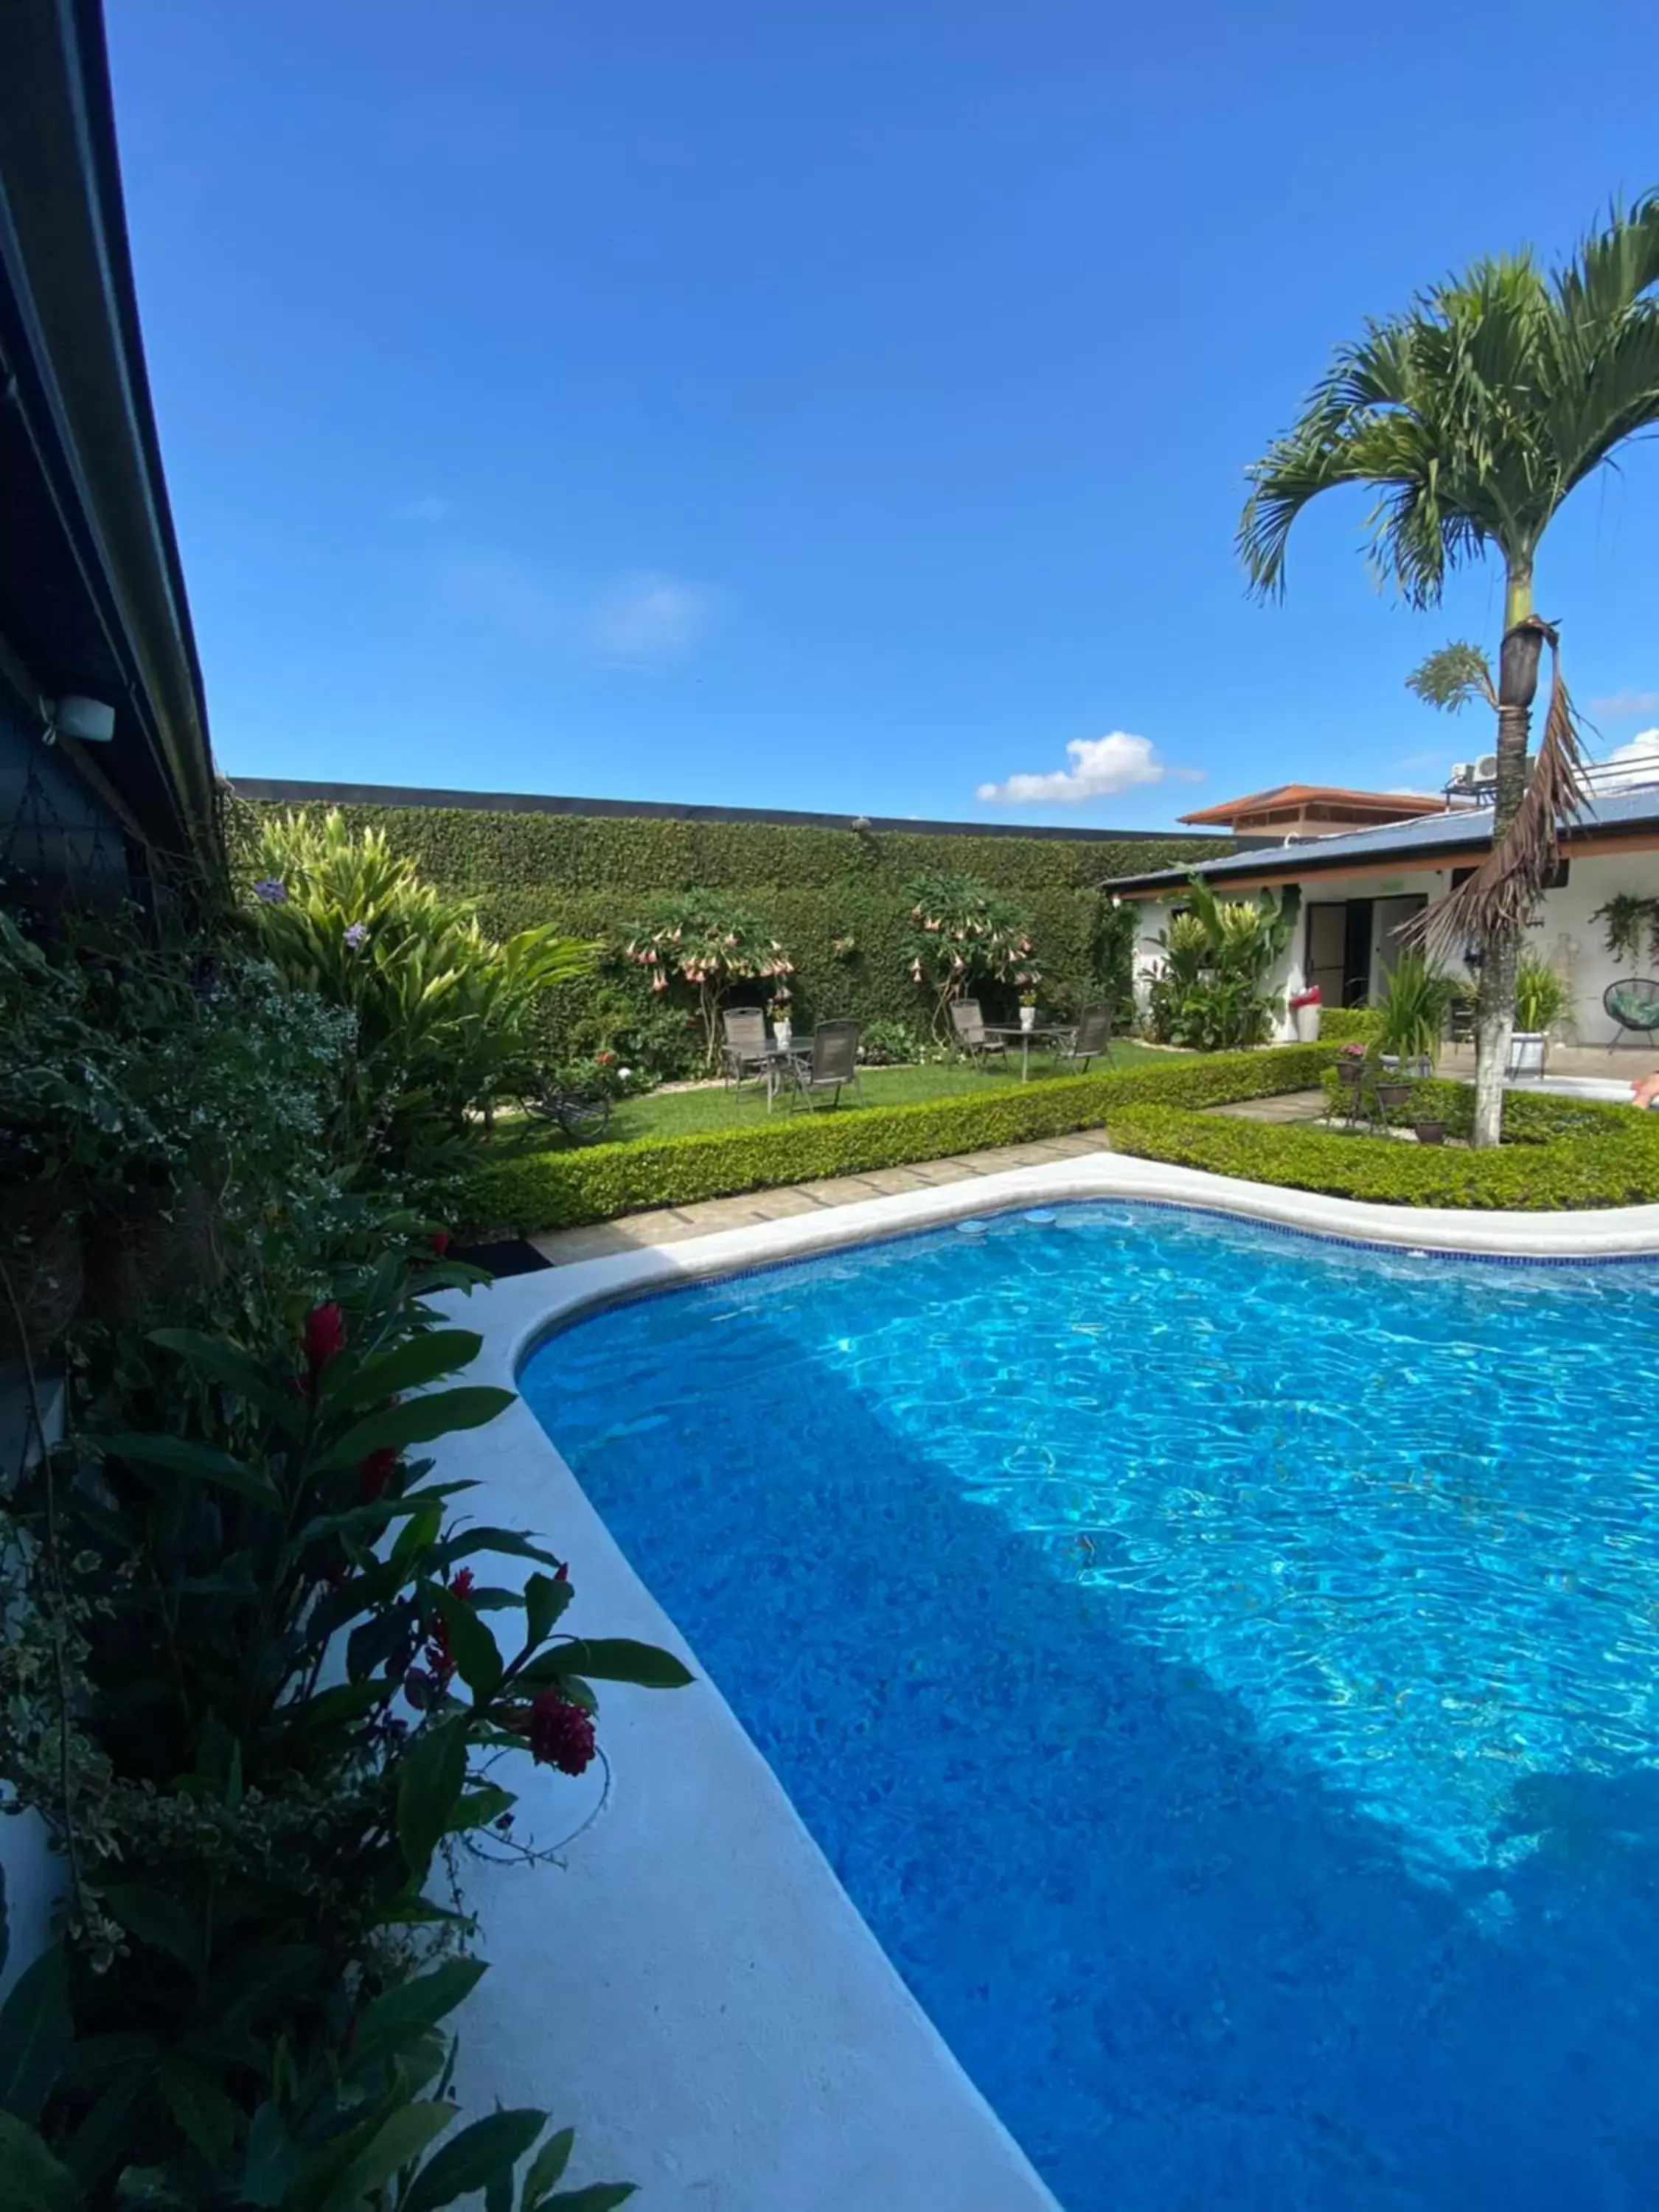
[{"x": 561, "y": 1187}]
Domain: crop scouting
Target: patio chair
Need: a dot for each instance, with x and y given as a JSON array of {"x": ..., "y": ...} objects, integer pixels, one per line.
[
  {"x": 831, "y": 1067},
  {"x": 1091, "y": 1039},
  {"x": 972, "y": 1037},
  {"x": 744, "y": 1051},
  {"x": 1634, "y": 1004}
]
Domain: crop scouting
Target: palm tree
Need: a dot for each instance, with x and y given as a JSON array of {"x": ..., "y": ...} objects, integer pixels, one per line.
[{"x": 1472, "y": 416}]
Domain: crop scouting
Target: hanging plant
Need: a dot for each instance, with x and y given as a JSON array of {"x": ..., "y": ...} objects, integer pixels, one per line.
[{"x": 1627, "y": 920}]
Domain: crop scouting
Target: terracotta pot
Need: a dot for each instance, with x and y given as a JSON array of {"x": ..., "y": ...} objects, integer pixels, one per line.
[
  {"x": 149, "y": 1247},
  {"x": 41, "y": 1244},
  {"x": 1430, "y": 1133},
  {"x": 1393, "y": 1094}
]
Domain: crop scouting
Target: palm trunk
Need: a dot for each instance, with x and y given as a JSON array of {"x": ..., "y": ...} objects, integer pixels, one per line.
[{"x": 1517, "y": 686}]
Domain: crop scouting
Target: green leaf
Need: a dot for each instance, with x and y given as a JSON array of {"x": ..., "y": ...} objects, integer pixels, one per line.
[
  {"x": 255, "y": 1980},
  {"x": 104, "y": 2134},
  {"x": 610, "y": 1659},
  {"x": 471, "y": 1646},
  {"x": 470, "y": 2160},
  {"x": 35, "y": 2034},
  {"x": 402, "y": 2137},
  {"x": 510, "y": 1543},
  {"x": 157, "y": 1919},
  {"x": 34, "y": 2181},
  {"x": 598, "y": 2196},
  {"x": 205, "y": 2116},
  {"x": 424, "y": 1359},
  {"x": 477, "y": 1808},
  {"x": 234, "y": 1369},
  {"x": 544, "y": 1600},
  {"x": 373, "y": 1643},
  {"x": 433, "y": 1775},
  {"x": 418, "y": 1421},
  {"x": 272, "y": 2159},
  {"x": 417, "y": 1536},
  {"x": 410, "y": 2008},
  {"x": 201, "y": 1462},
  {"x": 547, "y": 2168},
  {"x": 333, "y": 1708}
]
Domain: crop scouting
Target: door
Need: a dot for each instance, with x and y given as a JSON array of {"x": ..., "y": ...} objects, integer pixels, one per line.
[
  {"x": 1391, "y": 915},
  {"x": 1326, "y": 963}
]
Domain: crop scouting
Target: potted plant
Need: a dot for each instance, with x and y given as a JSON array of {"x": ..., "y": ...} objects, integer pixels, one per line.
[
  {"x": 1430, "y": 1133},
  {"x": 780, "y": 1007},
  {"x": 1028, "y": 981},
  {"x": 1305, "y": 1007},
  {"x": 1416, "y": 1001},
  {"x": 1541, "y": 998}
]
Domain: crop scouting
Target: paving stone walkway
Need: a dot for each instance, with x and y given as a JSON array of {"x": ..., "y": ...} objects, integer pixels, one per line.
[{"x": 669, "y": 1224}]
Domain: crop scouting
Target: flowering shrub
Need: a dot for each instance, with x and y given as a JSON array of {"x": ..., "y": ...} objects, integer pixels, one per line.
[
  {"x": 962, "y": 935},
  {"x": 704, "y": 942}
]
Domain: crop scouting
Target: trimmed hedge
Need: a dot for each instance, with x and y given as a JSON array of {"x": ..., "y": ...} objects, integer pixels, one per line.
[
  {"x": 563, "y": 1187},
  {"x": 1581, "y": 1156},
  {"x": 1349, "y": 1025},
  {"x": 1530, "y": 1117},
  {"x": 596, "y": 876}
]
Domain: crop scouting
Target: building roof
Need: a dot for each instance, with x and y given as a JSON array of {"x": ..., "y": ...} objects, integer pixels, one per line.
[
  {"x": 1389, "y": 805},
  {"x": 92, "y": 599},
  {"x": 1433, "y": 842}
]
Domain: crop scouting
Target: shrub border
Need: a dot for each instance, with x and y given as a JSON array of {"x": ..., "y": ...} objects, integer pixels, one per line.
[{"x": 565, "y": 1188}]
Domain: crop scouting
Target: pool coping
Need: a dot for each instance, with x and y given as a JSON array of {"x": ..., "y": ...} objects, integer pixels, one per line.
[{"x": 694, "y": 1989}]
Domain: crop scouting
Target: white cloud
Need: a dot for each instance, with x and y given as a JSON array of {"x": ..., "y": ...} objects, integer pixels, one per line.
[
  {"x": 1635, "y": 763},
  {"x": 1619, "y": 704},
  {"x": 430, "y": 508},
  {"x": 509, "y": 594},
  {"x": 648, "y": 617},
  {"x": 1100, "y": 766}
]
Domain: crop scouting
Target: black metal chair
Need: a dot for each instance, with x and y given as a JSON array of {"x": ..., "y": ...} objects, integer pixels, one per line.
[
  {"x": 1633, "y": 1003},
  {"x": 832, "y": 1066},
  {"x": 1090, "y": 1039},
  {"x": 971, "y": 1035}
]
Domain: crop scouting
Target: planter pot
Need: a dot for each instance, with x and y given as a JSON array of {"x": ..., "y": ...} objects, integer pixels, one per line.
[
  {"x": 1527, "y": 1049},
  {"x": 1028, "y": 1017},
  {"x": 783, "y": 1034},
  {"x": 1306, "y": 1019},
  {"x": 41, "y": 1250},
  {"x": 1393, "y": 1094},
  {"x": 1430, "y": 1133}
]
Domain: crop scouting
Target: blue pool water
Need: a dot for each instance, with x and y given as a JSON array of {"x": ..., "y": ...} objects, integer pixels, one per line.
[{"x": 1222, "y": 1667}]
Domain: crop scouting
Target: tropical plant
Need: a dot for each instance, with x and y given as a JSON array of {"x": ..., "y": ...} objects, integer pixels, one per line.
[
  {"x": 1210, "y": 993},
  {"x": 1416, "y": 999},
  {"x": 444, "y": 1015},
  {"x": 1541, "y": 997},
  {"x": 255, "y": 1685},
  {"x": 1472, "y": 416},
  {"x": 962, "y": 934},
  {"x": 704, "y": 942}
]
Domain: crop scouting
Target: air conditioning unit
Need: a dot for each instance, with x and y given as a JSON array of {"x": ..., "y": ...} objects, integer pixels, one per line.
[
  {"x": 1461, "y": 777},
  {"x": 1485, "y": 769}
]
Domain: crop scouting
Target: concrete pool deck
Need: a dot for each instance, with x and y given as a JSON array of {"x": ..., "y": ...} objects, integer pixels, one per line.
[{"x": 692, "y": 1987}]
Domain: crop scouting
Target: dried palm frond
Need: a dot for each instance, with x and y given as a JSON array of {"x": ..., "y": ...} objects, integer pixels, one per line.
[{"x": 1504, "y": 891}]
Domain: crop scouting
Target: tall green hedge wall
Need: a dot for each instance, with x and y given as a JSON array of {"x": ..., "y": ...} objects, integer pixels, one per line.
[{"x": 597, "y": 876}]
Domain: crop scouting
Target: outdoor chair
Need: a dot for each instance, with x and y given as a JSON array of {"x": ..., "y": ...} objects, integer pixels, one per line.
[
  {"x": 744, "y": 1051},
  {"x": 1090, "y": 1039},
  {"x": 1634, "y": 1004},
  {"x": 831, "y": 1067},
  {"x": 972, "y": 1037}
]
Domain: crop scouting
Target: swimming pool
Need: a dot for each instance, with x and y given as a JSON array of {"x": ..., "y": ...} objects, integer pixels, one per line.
[{"x": 1222, "y": 1665}]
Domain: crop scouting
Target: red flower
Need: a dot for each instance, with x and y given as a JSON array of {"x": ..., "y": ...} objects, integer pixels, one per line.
[
  {"x": 438, "y": 1655},
  {"x": 562, "y": 1571},
  {"x": 326, "y": 1335},
  {"x": 462, "y": 1585},
  {"x": 561, "y": 1733},
  {"x": 375, "y": 1471},
  {"x": 441, "y": 1242}
]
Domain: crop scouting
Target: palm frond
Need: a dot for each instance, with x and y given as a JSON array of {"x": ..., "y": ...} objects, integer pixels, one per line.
[
  {"x": 1452, "y": 676},
  {"x": 1502, "y": 893}
]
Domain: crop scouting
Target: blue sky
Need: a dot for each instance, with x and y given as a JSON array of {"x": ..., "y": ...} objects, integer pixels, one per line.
[{"x": 838, "y": 407}]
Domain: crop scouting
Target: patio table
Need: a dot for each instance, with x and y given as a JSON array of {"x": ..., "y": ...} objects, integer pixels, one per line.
[{"x": 1050, "y": 1033}]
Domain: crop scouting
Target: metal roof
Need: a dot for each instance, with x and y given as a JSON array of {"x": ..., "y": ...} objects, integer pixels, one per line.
[{"x": 1610, "y": 811}]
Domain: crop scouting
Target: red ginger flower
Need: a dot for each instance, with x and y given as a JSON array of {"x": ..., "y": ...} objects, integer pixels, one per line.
[
  {"x": 439, "y": 1656},
  {"x": 441, "y": 1242},
  {"x": 375, "y": 1471},
  {"x": 561, "y": 1733},
  {"x": 326, "y": 1335}
]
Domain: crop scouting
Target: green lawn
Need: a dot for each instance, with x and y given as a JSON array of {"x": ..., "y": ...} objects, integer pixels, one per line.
[{"x": 715, "y": 1106}]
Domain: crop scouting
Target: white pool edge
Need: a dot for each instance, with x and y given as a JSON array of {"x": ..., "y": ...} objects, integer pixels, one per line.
[{"x": 692, "y": 1989}]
